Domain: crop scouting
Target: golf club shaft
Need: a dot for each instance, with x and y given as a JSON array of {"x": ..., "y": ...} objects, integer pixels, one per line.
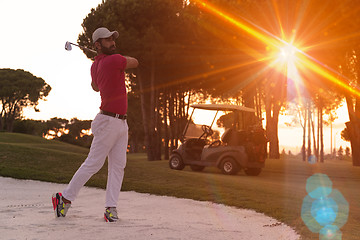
[{"x": 91, "y": 50}]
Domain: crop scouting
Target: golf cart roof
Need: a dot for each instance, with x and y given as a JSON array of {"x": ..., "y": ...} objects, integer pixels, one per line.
[{"x": 222, "y": 107}]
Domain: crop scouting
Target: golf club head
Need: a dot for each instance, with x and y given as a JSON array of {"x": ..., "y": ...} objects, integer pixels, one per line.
[{"x": 68, "y": 46}]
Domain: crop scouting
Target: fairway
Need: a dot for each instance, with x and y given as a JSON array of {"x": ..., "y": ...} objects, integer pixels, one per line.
[{"x": 278, "y": 191}]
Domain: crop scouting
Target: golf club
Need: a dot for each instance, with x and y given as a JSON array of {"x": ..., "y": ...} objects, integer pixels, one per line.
[{"x": 68, "y": 47}]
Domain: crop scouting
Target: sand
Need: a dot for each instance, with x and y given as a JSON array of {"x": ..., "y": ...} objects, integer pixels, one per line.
[{"x": 26, "y": 212}]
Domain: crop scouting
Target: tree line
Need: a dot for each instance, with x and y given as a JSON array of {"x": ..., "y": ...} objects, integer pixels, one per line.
[
  {"x": 72, "y": 131},
  {"x": 187, "y": 55},
  {"x": 185, "y": 50}
]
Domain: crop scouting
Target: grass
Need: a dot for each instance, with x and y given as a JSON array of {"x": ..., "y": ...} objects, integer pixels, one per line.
[{"x": 278, "y": 191}]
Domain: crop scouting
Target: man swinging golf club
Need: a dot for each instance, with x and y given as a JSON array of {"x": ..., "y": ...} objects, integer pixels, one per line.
[{"x": 109, "y": 127}]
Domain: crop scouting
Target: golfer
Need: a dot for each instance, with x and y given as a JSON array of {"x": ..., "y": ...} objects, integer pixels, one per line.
[{"x": 109, "y": 127}]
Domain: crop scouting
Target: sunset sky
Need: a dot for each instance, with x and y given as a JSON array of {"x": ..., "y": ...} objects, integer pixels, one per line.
[{"x": 33, "y": 38}]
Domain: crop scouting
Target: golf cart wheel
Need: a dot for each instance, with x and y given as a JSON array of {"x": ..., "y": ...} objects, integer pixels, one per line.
[
  {"x": 176, "y": 162},
  {"x": 197, "y": 168},
  {"x": 252, "y": 171},
  {"x": 229, "y": 166}
]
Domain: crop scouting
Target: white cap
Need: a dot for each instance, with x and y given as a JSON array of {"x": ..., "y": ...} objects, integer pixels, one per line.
[{"x": 103, "y": 33}]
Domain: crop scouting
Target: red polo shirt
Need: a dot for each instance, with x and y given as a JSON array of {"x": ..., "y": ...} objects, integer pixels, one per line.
[{"x": 107, "y": 72}]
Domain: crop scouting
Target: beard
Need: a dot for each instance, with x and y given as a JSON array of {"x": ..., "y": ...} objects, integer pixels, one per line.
[{"x": 108, "y": 50}]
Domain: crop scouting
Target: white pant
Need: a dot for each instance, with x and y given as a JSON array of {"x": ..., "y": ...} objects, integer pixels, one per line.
[{"x": 110, "y": 140}]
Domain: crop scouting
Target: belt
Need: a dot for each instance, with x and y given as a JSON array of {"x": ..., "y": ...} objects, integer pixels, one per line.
[{"x": 115, "y": 115}]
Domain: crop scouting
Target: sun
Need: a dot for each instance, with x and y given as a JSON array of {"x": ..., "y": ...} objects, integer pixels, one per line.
[
  {"x": 287, "y": 54},
  {"x": 286, "y": 60}
]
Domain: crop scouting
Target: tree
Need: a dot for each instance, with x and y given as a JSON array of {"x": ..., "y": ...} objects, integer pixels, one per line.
[
  {"x": 166, "y": 41},
  {"x": 149, "y": 39},
  {"x": 274, "y": 100},
  {"x": 76, "y": 127},
  {"x": 345, "y": 134},
  {"x": 136, "y": 125},
  {"x": 347, "y": 152},
  {"x": 337, "y": 33},
  {"x": 55, "y": 127},
  {"x": 340, "y": 153},
  {"x": 33, "y": 127},
  {"x": 76, "y": 133},
  {"x": 183, "y": 49},
  {"x": 327, "y": 34},
  {"x": 327, "y": 104},
  {"x": 19, "y": 89}
]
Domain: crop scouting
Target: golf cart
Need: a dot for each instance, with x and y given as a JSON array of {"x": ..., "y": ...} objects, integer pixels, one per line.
[{"x": 240, "y": 146}]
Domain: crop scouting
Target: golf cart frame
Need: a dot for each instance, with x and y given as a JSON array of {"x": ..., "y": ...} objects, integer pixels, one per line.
[{"x": 241, "y": 147}]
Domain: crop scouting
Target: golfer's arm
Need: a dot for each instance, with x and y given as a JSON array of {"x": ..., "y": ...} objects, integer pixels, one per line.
[
  {"x": 131, "y": 62},
  {"x": 94, "y": 87}
]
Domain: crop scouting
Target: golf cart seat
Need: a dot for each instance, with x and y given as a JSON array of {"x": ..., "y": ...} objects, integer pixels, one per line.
[
  {"x": 194, "y": 146},
  {"x": 233, "y": 137}
]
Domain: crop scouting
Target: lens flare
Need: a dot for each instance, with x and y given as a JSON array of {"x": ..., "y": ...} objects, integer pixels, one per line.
[
  {"x": 284, "y": 50},
  {"x": 324, "y": 209}
]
